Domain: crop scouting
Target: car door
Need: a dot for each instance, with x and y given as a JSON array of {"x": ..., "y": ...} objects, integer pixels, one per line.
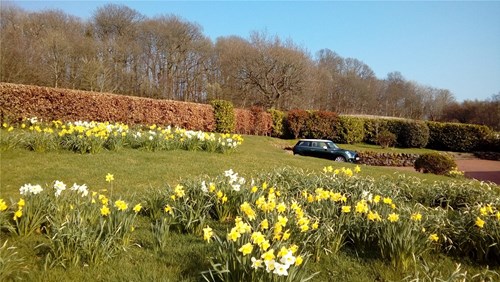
[
  {"x": 322, "y": 150},
  {"x": 317, "y": 149},
  {"x": 304, "y": 148}
]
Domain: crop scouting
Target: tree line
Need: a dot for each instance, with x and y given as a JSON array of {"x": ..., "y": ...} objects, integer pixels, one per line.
[{"x": 119, "y": 50}]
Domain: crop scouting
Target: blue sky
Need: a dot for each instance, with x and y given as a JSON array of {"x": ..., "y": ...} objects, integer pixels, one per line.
[{"x": 450, "y": 45}]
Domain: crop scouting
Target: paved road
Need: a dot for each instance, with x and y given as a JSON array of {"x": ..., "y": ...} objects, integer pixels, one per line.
[
  {"x": 481, "y": 169},
  {"x": 475, "y": 168}
]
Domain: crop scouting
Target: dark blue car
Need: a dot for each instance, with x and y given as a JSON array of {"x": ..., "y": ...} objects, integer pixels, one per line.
[{"x": 325, "y": 149}]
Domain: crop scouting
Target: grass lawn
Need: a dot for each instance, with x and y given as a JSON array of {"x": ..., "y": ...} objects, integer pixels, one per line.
[{"x": 135, "y": 172}]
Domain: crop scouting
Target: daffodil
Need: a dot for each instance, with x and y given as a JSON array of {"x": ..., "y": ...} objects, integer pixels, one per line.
[
  {"x": 18, "y": 214},
  {"x": 298, "y": 260},
  {"x": 264, "y": 225},
  {"x": 179, "y": 191},
  {"x": 416, "y": 217},
  {"x": 104, "y": 199},
  {"x": 346, "y": 209},
  {"x": 21, "y": 203},
  {"x": 373, "y": 216},
  {"x": 137, "y": 208},
  {"x": 288, "y": 258},
  {"x": 121, "y": 205},
  {"x": 479, "y": 222},
  {"x": 282, "y": 220},
  {"x": 256, "y": 263},
  {"x": 265, "y": 245},
  {"x": 257, "y": 238},
  {"x": 357, "y": 169},
  {"x": 393, "y": 217},
  {"x": 207, "y": 233},
  {"x": 315, "y": 225},
  {"x": 3, "y": 205},
  {"x": 483, "y": 211},
  {"x": 105, "y": 210},
  {"x": 269, "y": 255},
  {"x": 270, "y": 264},
  {"x": 246, "y": 249},
  {"x": 233, "y": 235},
  {"x": 109, "y": 177},
  {"x": 286, "y": 235},
  {"x": 281, "y": 208},
  {"x": 361, "y": 207},
  {"x": 434, "y": 237},
  {"x": 168, "y": 209},
  {"x": 280, "y": 269}
]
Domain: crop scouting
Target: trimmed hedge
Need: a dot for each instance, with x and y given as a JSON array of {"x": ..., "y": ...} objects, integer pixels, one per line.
[
  {"x": 278, "y": 123},
  {"x": 20, "y": 101},
  {"x": 413, "y": 134},
  {"x": 320, "y": 125},
  {"x": 296, "y": 122},
  {"x": 373, "y": 127},
  {"x": 224, "y": 116},
  {"x": 254, "y": 121},
  {"x": 457, "y": 136},
  {"x": 349, "y": 130},
  {"x": 311, "y": 124}
]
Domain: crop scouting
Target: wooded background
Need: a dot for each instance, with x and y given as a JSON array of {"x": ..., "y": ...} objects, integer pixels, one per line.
[{"x": 120, "y": 51}]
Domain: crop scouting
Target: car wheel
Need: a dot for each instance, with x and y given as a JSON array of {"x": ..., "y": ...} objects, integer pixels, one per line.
[{"x": 339, "y": 159}]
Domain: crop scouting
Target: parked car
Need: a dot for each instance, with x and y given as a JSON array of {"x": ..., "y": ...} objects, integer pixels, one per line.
[{"x": 324, "y": 149}]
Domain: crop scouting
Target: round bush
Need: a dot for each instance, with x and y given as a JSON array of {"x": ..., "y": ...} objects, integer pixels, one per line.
[
  {"x": 435, "y": 163},
  {"x": 386, "y": 139}
]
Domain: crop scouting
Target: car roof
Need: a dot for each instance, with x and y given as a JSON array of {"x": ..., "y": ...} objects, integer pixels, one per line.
[{"x": 316, "y": 140}]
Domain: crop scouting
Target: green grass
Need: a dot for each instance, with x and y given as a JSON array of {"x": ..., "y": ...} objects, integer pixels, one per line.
[{"x": 136, "y": 171}]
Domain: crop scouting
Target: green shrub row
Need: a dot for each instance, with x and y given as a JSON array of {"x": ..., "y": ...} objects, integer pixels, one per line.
[
  {"x": 224, "y": 116},
  {"x": 20, "y": 101},
  {"x": 384, "y": 131},
  {"x": 458, "y": 137},
  {"x": 311, "y": 124}
]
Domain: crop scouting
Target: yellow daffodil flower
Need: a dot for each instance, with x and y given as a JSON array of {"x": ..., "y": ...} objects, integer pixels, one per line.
[{"x": 479, "y": 222}]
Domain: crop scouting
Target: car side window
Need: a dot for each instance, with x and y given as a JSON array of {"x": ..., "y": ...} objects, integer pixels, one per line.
[
  {"x": 305, "y": 143},
  {"x": 314, "y": 144}
]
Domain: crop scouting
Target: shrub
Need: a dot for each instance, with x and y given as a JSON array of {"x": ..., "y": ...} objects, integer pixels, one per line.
[
  {"x": 413, "y": 134},
  {"x": 224, "y": 116},
  {"x": 456, "y": 136},
  {"x": 243, "y": 121},
  {"x": 262, "y": 122},
  {"x": 20, "y": 101},
  {"x": 372, "y": 128},
  {"x": 296, "y": 122},
  {"x": 278, "y": 122},
  {"x": 491, "y": 143},
  {"x": 321, "y": 125},
  {"x": 386, "y": 139},
  {"x": 349, "y": 130},
  {"x": 435, "y": 163}
]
